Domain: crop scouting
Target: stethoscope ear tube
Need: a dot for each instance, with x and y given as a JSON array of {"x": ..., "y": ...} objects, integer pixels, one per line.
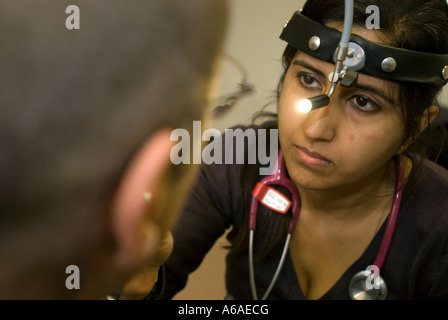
[
  {"x": 253, "y": 288},
  {"x": 252, "y": 268}
]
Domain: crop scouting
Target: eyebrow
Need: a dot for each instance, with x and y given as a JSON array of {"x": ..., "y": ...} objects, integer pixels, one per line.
[
  {"x": 375, "y": 91},
  {"x": 365, "y": 87},
  {"x": 309, "y": 66}
]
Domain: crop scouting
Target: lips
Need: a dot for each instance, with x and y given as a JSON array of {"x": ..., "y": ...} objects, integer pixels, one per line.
[{"x": 311, "y": 158}]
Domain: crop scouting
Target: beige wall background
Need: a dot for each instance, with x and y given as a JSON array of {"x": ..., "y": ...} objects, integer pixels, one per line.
[{"x": 253, "y": 40}]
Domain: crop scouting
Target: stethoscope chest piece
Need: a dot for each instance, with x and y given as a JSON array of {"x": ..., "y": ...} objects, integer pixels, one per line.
[{"x": 360, "y": 288}]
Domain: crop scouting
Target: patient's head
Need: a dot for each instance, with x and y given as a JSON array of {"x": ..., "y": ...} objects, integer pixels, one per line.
[{"x": 85, "y": 121}]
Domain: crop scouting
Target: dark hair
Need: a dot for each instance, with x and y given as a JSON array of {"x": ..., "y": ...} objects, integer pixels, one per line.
[{"x": 419, "y": 25}]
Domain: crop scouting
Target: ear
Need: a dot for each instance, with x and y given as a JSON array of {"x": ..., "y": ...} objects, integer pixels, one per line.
[
  {"x": 427, "y": 117},
  {"x": 136, "y": 237}
]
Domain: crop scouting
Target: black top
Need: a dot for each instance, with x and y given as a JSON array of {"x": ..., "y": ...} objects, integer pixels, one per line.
[{"x": 416, "y": 266}]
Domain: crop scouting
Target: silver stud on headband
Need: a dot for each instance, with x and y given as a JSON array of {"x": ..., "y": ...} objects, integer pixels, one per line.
[
  {"x": 314, "y": 43},
  {"x": 388, "y": 64},
  {"x": 445, "y": 73}
]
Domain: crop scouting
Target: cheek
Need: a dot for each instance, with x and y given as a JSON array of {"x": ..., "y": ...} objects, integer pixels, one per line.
[
  {"x": 371, "y": 146},
  {"x": 385, "y": 135},
  {"x": 379, "y": 134}
]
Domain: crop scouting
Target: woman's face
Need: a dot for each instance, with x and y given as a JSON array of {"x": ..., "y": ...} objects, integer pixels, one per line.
[{"x": 347, "y": 143}]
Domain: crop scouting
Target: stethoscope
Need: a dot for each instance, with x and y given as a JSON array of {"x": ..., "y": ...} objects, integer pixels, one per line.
[
  {"x": 360, "y": 287},
  {"x": 272, "y": 199}
]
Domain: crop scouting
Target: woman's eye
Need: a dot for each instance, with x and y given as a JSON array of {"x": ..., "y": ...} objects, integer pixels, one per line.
[
  {"x": 308, "y": 81},
  {"x": 364, "y": 104}
]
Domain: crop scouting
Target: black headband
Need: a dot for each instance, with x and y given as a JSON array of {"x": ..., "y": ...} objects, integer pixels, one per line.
[{"x": 320, "y": 42}]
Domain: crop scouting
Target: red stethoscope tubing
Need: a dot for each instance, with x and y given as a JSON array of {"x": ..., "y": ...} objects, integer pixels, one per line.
[
  {"x": 279, "y": 178},
  {"x": 392, "y": 219}
]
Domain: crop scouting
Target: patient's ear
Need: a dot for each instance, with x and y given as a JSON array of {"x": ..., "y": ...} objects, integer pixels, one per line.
[
  {"x": 428, "y": 116},
  {"x": 136, "y": 237}
]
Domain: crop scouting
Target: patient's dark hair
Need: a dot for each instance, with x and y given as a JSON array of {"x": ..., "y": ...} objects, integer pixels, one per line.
[{"x": 76, "y": 104}]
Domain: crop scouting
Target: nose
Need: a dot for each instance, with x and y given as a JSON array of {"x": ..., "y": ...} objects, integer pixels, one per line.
[{"x": 320, "y": 124}]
